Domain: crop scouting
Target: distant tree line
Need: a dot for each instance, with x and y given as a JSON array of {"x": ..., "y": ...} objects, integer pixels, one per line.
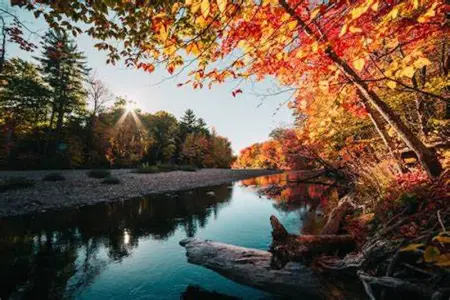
[
  {"x": 55, "y": 114},
  {"x": 284, "y": 150}
]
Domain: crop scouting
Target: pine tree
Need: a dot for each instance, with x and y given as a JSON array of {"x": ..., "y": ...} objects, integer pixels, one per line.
[
  {"x": 188, "y": 122},
  {"x": 201, "y": 127},
  {"x": 65, "y": 71}
]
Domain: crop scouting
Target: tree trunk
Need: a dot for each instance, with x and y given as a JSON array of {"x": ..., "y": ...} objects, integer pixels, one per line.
[
  {"x": 379, "y": 127},
  {"x": 3, "y": 49},
  {"x": 337, "y": 215},
  {"x": 252, "y": 267},
  {"x": 60, "y": 116},
  {"x": 428, "y": 159},
  {"x": 421, "y": 104}
]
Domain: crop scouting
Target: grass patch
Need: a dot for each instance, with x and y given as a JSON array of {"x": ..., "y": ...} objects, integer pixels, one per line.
[
  {"x": 111, "y": 180},
  {"x": 151, "y": 169},
  {"x": 147, "y": 169},
  {"x": 55, "y": 176},
  {"x": 187, "y": 168},
  {"x": 99, "y": 173},
  {"x": 170, "y": 167},
  {"x": 15, "y": 183}
]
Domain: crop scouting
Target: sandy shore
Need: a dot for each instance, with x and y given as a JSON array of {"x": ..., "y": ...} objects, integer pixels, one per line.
[{"x": 80, "y": 190}]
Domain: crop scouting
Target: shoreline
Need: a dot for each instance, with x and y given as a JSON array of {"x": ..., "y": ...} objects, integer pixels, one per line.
[{"x": 80, "y": 190}]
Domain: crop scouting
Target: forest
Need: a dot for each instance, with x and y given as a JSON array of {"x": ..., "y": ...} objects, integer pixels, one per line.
[
  {"x": 366, "y": 80},
  {"x": 56, "y": 114}
]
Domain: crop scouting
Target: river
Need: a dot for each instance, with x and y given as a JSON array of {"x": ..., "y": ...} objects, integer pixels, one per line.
[{"x": 130, "y": 250}]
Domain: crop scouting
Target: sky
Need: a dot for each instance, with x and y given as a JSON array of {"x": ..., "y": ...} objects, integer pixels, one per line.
[{"x": 245, "y": 119}]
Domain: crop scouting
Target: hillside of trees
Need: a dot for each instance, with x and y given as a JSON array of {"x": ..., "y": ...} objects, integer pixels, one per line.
[{"x": 54, "y": 113}]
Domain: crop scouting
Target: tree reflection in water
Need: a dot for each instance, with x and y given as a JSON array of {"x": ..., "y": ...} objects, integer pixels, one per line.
[
  {"x": 55, "y": 254},
  {"x": 290, "y": 192}
]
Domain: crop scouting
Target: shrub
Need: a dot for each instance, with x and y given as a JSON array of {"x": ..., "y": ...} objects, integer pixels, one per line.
[
  {"x": 187, "y": 168},
  {"x": 167, "y": 167},
  {"x": 170, "y": 167},
  {"x": 99, "y": 173},
  {"x": 111, "y": 180},
  {"x": 55, "y": 176},
  {"x": 146, "y": 168},
  {"x": 15, "y": 183}
]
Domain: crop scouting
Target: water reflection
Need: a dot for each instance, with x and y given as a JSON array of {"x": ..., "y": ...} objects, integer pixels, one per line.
[
  {"x": 290, "y": 188},
  {"x": 130, "y": 249},
  {"x": 53, "y": 255},
  {"x": 292, "y": 191}
]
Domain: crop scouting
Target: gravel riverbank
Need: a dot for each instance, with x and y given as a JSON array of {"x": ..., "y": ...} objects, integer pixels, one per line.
[{"x": 80, "y": 190}]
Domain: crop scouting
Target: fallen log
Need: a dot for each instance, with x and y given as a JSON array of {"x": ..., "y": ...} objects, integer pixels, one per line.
[
  {"x": 253, "y": 268},
  {"x": 291, "y": 247}
]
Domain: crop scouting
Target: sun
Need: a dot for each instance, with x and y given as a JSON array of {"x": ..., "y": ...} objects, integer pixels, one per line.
[{"x": 130, "y": 106}]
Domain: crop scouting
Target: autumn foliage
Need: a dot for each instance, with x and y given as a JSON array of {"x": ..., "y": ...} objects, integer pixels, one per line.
[{"x": 285, "y": 150}]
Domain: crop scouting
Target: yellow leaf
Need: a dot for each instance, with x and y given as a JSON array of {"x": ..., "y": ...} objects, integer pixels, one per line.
[
  {"x": 358, "y": 12},
  {"x": 292, "y": 25},
  {"x": 188, "y": 2},
  {"x": 408, "y": 72},
  {"x": 324, "y": 85},
  {"x": 422, "y": 62},
  {"x": 359, "y": 64},
  {"x": 442, "y": 239},
  {"x": 394, "y": 13},
  {"x": 200, "y": 21},
  {"x": 430, "y": 13},
  {"x": 205, "y": 8},
  {"x": 192, "y": 48},
  {"x": 163, "y": 33},
  {"x": 411, "y": 247},
  {"x": 244, "y": 45},
  {"x": 170, "y": 50},
  {"x": 222, "y": 4},
  {"x": 391, "y": 84},
  {"x": 195, "y": 7},
  {"x": 343, "y": 30},
  {"x": 315, "y": 12},
  {"x": 416, "y": 4},
  {"x": 374, "y": 7},
  {"x": 431, "y": 254},
  {"x": 315, "y": 47},
  {"x": 354, "y": 29},
  {"x": 285, "y": 17},
  {"x": 299, "y": 54},
  {"x": 443, "y": 260}
]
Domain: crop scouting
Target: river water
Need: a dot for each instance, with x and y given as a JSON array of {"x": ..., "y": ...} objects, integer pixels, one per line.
[{"x": 130, "y": 250}]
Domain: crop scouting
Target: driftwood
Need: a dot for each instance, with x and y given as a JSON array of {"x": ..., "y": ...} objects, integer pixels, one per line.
[
  {"x": 253, "y": 268},
  {"x": 337, "y": 215},
  {"x": 284, "y": 270},
  {"x": 290, "y": 247}
]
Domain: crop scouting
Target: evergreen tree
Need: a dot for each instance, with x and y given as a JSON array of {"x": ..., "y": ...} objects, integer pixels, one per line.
[
  {"x": 24, "y": 105},
  {"x": 201, "y": 127},
  {"x": 65, "y": 71},
  {"x": 188, "y": 122}
]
